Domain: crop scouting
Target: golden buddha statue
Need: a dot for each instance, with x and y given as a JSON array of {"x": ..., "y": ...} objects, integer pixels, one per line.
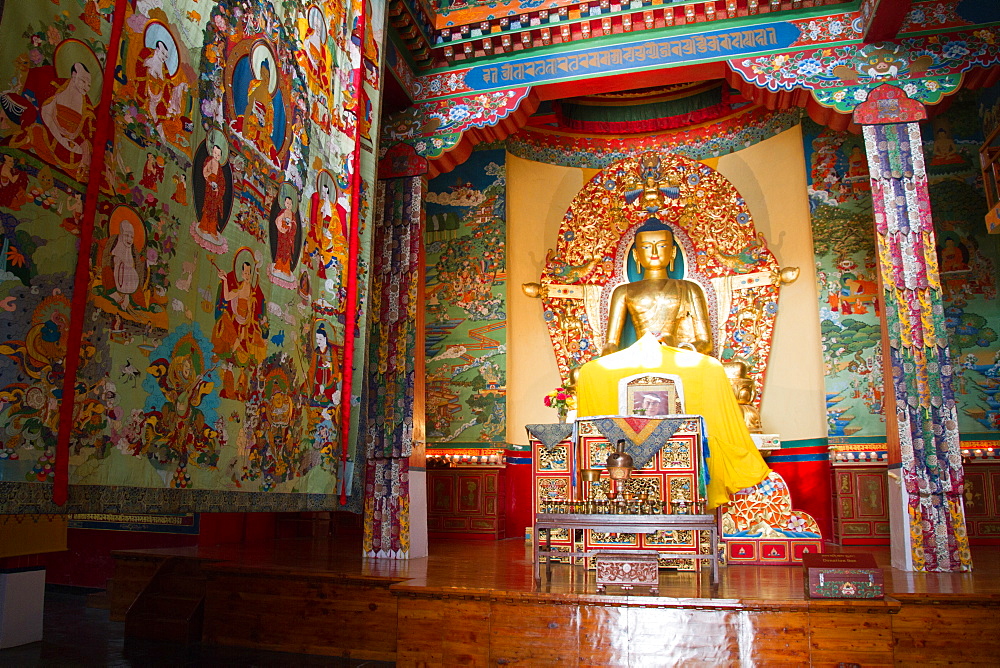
[
  {"x": 674, "y": 310},
  {"x": 674, "y": 330}
]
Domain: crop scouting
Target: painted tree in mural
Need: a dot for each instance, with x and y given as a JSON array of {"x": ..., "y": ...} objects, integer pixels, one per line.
[{"x": 212, "y": 320}]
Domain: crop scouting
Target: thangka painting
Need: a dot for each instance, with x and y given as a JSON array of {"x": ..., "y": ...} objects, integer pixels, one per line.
[
  {"x": 466, "y": 325},
  {"x": 718, "y": 247},
  {"x": 840, "y": 205},
  {"x": 206, "y": 161}
]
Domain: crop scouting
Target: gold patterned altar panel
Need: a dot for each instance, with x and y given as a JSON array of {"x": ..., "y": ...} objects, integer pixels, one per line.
[
  {"x": 639, "y": 483},
  {"x": 550, "y": 489},
  {"x": 720, "y": 247},
  {"x": 670, "y": 476},
  {"x": 552, "y": 460}
]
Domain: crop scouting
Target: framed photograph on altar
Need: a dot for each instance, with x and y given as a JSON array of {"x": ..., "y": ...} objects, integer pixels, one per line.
[{"x": 651, "y": 395}]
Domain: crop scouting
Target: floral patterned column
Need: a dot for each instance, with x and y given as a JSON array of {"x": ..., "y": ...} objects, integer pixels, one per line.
[
  {"x": 930, "y": 466},
  {"x": 387, "y": 401}
]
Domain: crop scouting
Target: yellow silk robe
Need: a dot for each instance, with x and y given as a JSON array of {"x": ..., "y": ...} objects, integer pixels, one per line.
[{"x": 735, "y": 462}]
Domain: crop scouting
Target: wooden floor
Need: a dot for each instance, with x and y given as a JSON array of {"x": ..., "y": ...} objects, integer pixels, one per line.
[{"x": 475, "y": 603}]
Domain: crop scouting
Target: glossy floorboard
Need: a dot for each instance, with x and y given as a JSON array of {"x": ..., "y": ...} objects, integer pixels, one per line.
[
  {"x": 506, "y": 566},
  {"x": 476, "y": 603}
]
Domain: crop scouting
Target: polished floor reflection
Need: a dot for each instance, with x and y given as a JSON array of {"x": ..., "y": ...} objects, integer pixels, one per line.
[
  {"x": 77, "y": 635},
  {"x": 506, "y": 566},
  {"x": 308, "y": 602}
]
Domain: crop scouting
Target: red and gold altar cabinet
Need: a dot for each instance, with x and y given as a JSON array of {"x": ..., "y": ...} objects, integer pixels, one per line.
[
  {"x": 861, "y": 480},
  {"x": 669, "y": 479},
  {"x": 760, "y": 525},
  {"x": 466, "y": 493}
]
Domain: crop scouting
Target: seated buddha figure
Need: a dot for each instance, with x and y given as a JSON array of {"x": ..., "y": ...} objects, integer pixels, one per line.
[
  {"x": 672, "y": 321},
  {"x": 672, "y": 308}
]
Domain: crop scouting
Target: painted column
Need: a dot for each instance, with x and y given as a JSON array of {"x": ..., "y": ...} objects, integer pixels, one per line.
[
  {"x": 925, "y": 470},
  {"x": 387, "y": 402}
]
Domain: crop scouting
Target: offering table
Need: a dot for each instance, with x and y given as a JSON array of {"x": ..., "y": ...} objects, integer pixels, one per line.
[{"x": 638, "y": 524}]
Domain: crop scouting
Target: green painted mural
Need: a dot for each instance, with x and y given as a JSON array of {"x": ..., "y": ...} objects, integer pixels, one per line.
[
  {"x": 967, "y": 261},
  {"x": 841, "y": 208},
  {"x": 844, "y": 245},
  {"x": 466, "y": 339}
]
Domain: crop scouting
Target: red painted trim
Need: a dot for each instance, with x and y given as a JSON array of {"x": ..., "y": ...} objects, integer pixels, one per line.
[
  {"x": 885, "y": 21},
  {"x": 81, "y": 281},
  {"x": 618, "y": 82},
  {"x": 351, "y": 317}
]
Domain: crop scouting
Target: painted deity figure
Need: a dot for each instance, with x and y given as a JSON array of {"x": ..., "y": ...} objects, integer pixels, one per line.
[
  {"x": 945, "y": 149},
  {"x": 64, "y": 136},
  {"x": 953, "y": 256},
  {"x": 180, "y": 190},
  {"x": 674, "y": 310},
  {"x": 215, "y": 194},
  {"x": 257, "y": 121},
  {"x": 125, "y": 268},
  {"x": 181, "y": 383},
  {"x": 326, "y": 240},
  {"x": 316, "y": 51},
  {"x": 13, "y": 184},
  {"x": 153, "y": 79},
  {"x": 152, "y": 173},
  {"x": 954, "y": 266},
  {"x": 161, "y": 84},
  {"x": 40, "y": 357},
  {"x": 181, "y": 430},
  {"x": 238, "y": 328},
  {"x": 325, "y": 368},
  {"x": 285, "y": 222},
  {"x": 74, "y": 209}
]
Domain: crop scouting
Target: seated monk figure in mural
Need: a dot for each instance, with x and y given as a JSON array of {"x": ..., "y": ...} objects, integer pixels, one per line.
[{"x": 672, "y": 321}]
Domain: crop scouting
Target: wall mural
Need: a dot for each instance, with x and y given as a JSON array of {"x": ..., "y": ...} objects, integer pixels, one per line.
[
  {"x": 466, "y": 302},
  {"x": 214, "y": 319},
  {"x": 967, "y": 260},
  {"x": 840, "y": 202}
]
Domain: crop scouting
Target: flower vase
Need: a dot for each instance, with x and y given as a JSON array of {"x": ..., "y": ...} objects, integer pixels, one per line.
[{"x": 562, "y": 412}]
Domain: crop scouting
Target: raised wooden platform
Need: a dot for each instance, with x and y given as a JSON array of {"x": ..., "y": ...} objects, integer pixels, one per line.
[{"x": 476, "y": 603}]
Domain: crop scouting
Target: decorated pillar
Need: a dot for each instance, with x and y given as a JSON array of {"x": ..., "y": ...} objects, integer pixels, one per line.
[
  {"x": 387, "y": 402},
  {"x": 925, "y": 467},
  {"x": 928, "y": 525}
]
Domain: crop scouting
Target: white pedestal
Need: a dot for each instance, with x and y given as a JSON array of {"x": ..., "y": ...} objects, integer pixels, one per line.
[{"x": 22, "y": 600}]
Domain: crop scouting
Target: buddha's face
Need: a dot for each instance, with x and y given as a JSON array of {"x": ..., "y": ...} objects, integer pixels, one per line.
[{"x": 654, "y": 250}]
